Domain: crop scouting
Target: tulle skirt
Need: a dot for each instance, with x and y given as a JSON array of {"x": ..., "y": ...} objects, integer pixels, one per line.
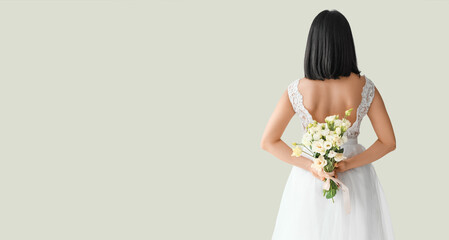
[{"x": 305, "y": 214}]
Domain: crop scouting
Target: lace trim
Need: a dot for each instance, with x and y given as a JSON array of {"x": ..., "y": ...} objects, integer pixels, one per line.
[
  {"x": 353, "y": 131},
  {"x": 297, "y": 103},
  {"x": 293, "y": 94},
  {"x": 367, "y": 97}
]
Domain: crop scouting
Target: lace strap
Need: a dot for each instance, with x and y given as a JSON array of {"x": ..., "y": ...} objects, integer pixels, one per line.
[
  {"x": 367, "y": 97},
  {"x": 293, "y": 94},
  {"x": 297, "y": 103}
]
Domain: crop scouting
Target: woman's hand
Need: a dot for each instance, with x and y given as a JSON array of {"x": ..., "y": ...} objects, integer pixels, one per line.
[
  {"x": 315, "y": 173},
  {"x": 341, "y": 166}
]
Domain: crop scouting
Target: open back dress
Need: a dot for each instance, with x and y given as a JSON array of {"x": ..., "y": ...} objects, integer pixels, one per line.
[{"x": 305, "y": 214}]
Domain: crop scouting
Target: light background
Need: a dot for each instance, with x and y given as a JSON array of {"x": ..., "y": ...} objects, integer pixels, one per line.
[{"x": 143, "y": 119}]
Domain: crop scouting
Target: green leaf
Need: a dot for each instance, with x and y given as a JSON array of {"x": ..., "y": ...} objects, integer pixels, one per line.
[
  {"x": 331, "y": 193},
  {"x": 333, "y": 185}
]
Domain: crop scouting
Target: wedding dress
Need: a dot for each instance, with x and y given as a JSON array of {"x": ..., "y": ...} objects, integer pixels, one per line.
[{"x": 305, "y": 214}]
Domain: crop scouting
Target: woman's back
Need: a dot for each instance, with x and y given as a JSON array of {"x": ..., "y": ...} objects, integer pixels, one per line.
[{"x": 332, "y": 96}]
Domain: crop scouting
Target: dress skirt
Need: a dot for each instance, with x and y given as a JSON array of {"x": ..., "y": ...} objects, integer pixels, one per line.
[{"x": 305, "y": 214}]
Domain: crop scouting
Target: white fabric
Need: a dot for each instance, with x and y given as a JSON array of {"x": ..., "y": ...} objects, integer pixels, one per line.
[{"x": 305, "y": 214}]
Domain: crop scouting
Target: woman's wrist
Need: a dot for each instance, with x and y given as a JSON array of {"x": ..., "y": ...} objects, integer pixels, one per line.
[
  {"x": 349, "y": 163},
  {"x": 309, "y": 167}
]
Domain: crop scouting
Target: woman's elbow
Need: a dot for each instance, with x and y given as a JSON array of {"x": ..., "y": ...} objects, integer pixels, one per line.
[
  {"x": 391, "y": 146},
  {"x": 266, "y": 144}
]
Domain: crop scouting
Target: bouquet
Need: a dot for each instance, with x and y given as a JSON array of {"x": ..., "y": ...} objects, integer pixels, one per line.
[{"x": 324, "y": 142}]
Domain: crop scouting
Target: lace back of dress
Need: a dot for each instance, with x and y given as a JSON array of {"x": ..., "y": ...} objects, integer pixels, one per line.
[
  {"x": 363, "y": 108},
  {"x": 297, "y": 104},
  {"x": 296, "y": 100}
]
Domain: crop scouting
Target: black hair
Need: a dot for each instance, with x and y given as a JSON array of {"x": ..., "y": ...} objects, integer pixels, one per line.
[{"x": 330, "y": 51}]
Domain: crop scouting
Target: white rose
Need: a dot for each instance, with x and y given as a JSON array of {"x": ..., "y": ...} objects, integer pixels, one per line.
[
  {"x": 322, "y": 151},
  {"x": 319, "y": 163},
  {"x": 335, "y": 140},
  {"x": 339, "y": 142},
  {"x": 327, "y": 145},
  {"x": 325, "y": 132},
  {"x": 338, "y": 130},
  {"x": 330, "y": 138},
  {"x": 346, "y": 123},
  {"x": 313, "y": 130},
  {"x": 322, "y": 162},
  {"x": 331, "y": 154},
  {"x": 307, "y": 139},
  {"x": 318, "y": 146},
  {"x": 330, "y": 118},
  {"x": 315, "y": 146},
  {"x": 338, "y": 122},
  {"x": 317, "y": 136},
  {"x": 339, "y": 157}
]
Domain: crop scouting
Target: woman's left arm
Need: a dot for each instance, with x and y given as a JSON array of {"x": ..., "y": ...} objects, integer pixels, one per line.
[
  {"x": 271, "y": 139},
  {"x": 385, "y": 143}
]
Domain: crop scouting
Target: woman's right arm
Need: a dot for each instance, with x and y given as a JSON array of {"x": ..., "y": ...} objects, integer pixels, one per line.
[
  {"x": 271, "y": 140},
  {"x": 385, "y": 143}
]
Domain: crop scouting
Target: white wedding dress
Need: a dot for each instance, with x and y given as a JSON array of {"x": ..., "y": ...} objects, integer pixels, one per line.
[{"x": 305, "y": 214}]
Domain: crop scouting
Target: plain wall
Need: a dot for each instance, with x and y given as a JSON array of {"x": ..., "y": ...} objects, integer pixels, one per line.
[{"x": 143, "y": 119}]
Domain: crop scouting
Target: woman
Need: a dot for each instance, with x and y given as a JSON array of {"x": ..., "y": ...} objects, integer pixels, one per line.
[{"x": 332, "y": 84}]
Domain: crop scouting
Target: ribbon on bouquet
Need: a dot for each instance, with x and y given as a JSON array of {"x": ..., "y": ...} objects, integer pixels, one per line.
[{"x": 327, "y": 184}]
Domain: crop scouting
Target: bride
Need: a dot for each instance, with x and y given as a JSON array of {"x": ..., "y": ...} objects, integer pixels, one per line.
[{"x": 332, "y": 84}]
